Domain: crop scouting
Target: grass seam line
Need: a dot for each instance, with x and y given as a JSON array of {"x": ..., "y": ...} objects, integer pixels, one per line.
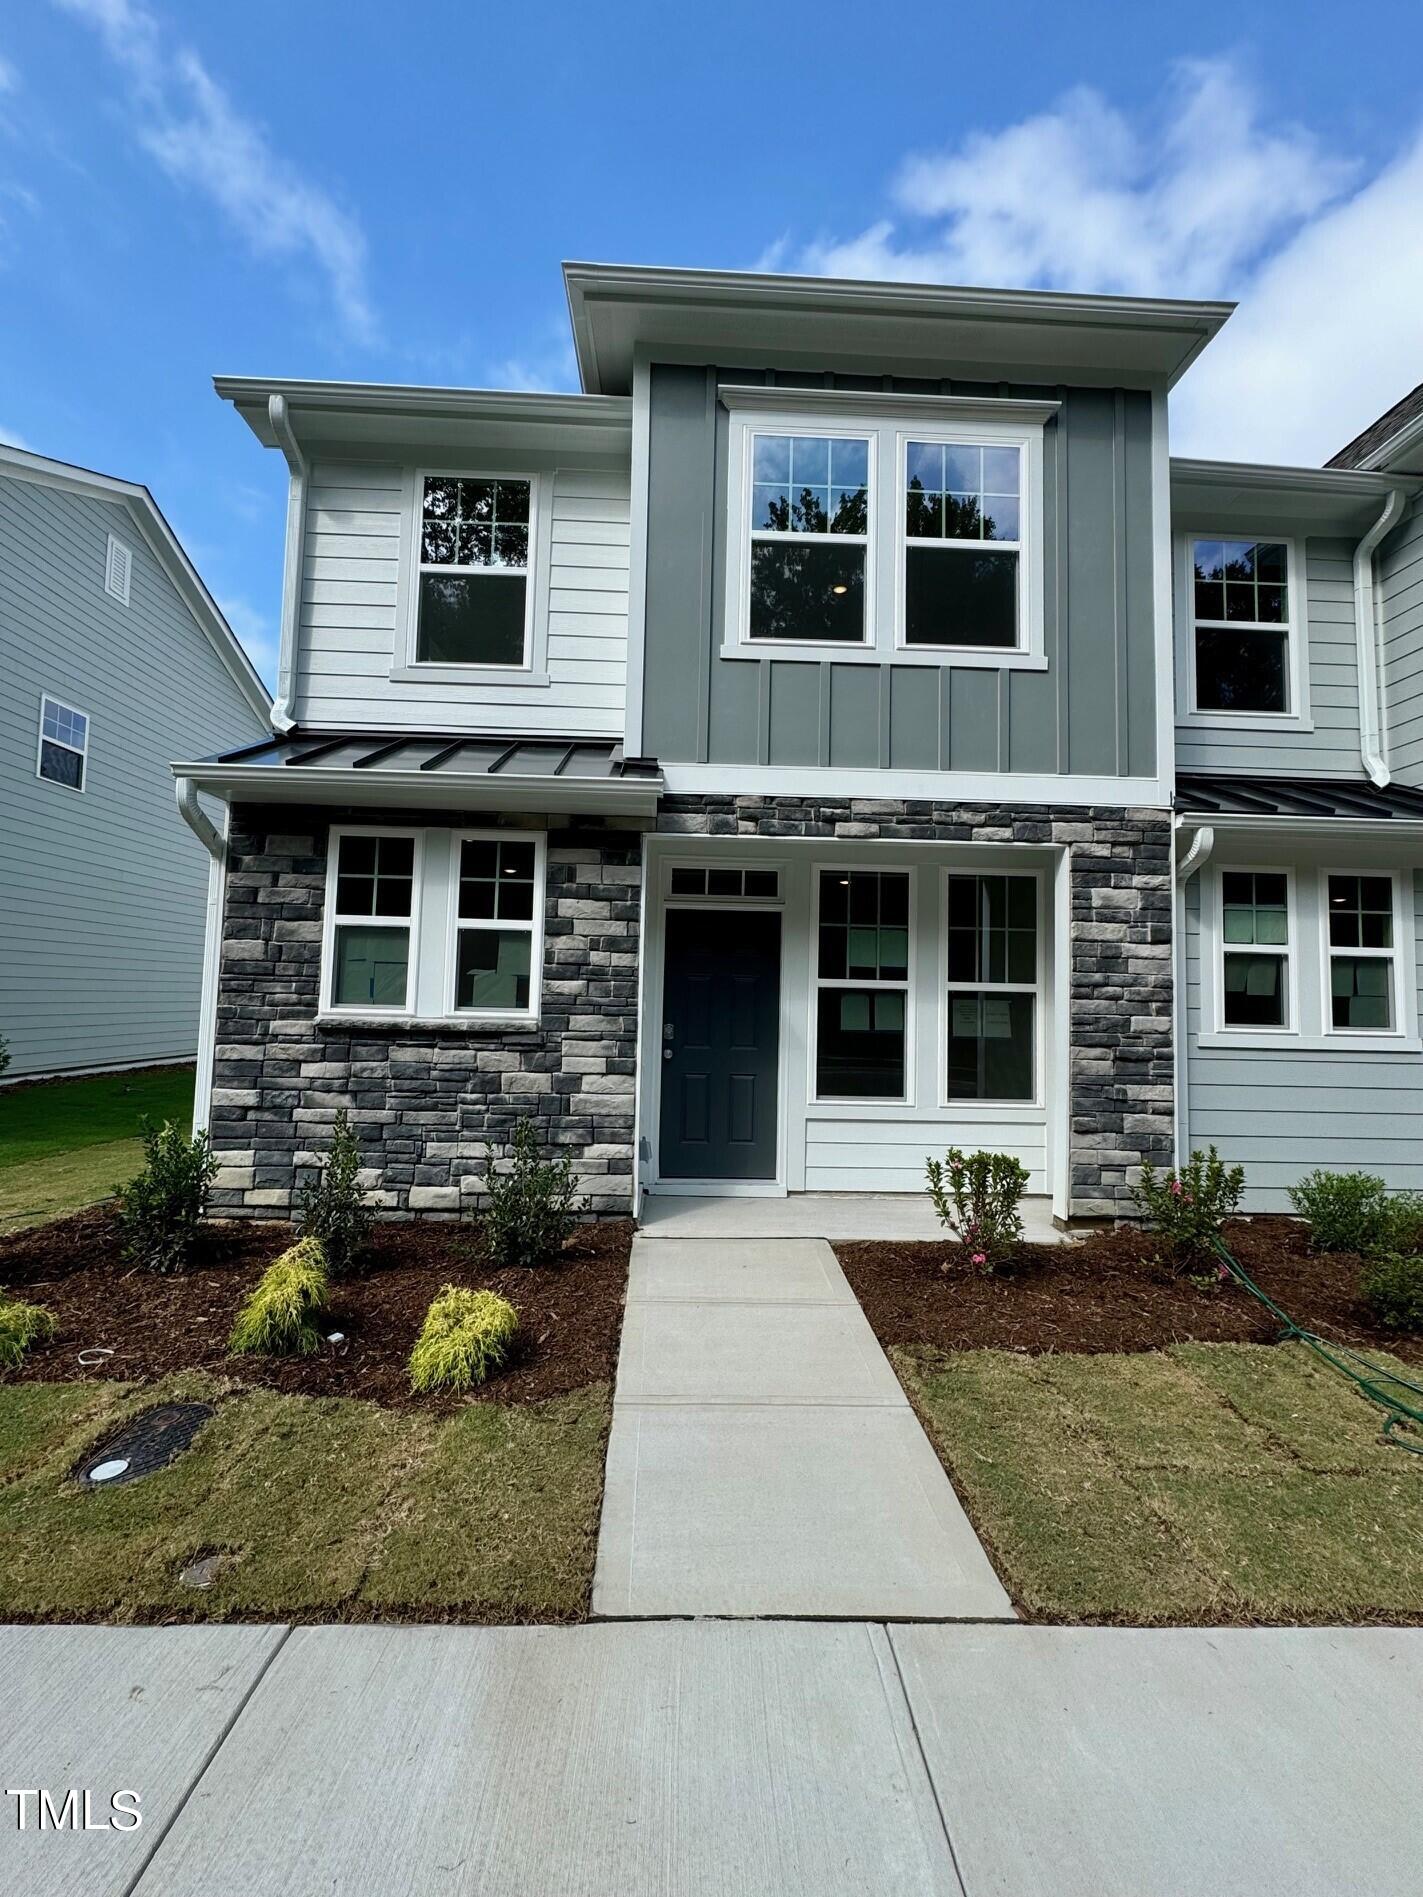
[{"x": 182, "y": 1805}]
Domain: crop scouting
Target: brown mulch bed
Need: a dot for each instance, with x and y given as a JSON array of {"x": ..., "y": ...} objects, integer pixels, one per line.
[
  {"x": 1107, "y": 1293},
  {"x": 570, "y": 1312}
]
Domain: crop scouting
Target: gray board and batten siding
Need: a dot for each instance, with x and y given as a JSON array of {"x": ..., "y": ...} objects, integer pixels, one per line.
[
  {"x": 104, "y": 888},
  {"x": 1091, "y": 712}
]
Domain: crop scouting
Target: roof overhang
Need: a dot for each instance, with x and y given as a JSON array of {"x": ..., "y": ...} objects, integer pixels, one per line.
[
  {"x": 1272, "y": 808},
  {"x": 909, "y": 329},
  {"x": 165, "y": 547},
  {"x": 1401, "y": 453},
  {"x": 339, "y": 415},
  {"x": 1344, "y": 500}
]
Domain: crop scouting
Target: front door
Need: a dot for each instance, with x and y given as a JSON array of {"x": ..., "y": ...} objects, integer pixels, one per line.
[{"x": 720, "y": 1027}]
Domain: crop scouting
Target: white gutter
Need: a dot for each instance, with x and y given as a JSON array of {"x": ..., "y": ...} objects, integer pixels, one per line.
[
  {"x": 1367, "y": 637},
  {"x": 635, "y": 795},
  {"x": 283, "y": 717},
  {"x": 1196, "y": 858},
  {"x": 197, "y": 819}
]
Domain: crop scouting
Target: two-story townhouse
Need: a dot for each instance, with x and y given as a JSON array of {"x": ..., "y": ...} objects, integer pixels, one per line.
[
  {"x": 113, "y": 658},
  {"x": 760, "y": 766}
]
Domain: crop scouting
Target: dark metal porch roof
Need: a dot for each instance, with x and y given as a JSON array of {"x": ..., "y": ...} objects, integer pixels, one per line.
[{"x": 1229, "y": 795}]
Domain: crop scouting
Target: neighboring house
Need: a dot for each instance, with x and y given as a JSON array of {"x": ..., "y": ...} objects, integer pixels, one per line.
[
  {"x": 762, "y": 768},
  {"x": 114, "y": 660}
]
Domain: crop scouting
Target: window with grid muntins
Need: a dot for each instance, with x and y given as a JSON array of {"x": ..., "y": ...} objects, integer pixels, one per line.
[
  {"x": 962, "y": 515},
  {"x": 862, "y": 984},
  {"x": 495, "y": 922},
  {"x": 1361, "y": 953},
  {"x": 1241, "y": 602},
  {"x": 375, "y": 882},
  {"x": 1255, "y": 937},
  {"x": 810, "y": 501},
  {"x": 992, "y": 987},
  {"x": 474, "y": 571},
  {"x": 64, "y": 744}
]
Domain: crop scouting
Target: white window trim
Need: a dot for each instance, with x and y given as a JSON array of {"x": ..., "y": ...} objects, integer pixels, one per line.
[
  {"x": 479, "y": 681},
  {"x": 867, "y": 1104},
  {"x": 352, "y": 1011},
  {"x": 75, "y": 711},
  {"x": 1404, "y": 1025},
  {"x": 1037, "y": 988},
  {"x": 887, "y": 423},
  {"x": 534, "y": 928},
  {"x": 1028, "y": 545},
  {"x": 1225, "y": 1032},
  {"x": 1295, "y": 628},
  {"x": 118, "y": 550}
]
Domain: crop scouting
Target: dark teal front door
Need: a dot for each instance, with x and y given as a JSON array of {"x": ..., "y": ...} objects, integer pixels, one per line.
[{"x": 720, "y": 1030}]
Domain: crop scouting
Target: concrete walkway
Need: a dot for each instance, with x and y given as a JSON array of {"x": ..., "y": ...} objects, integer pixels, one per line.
[
  {"x": 763, "y": 1457},
  {"x": 838, "y": 1215},
  {"x": 717, "y": 1759}
]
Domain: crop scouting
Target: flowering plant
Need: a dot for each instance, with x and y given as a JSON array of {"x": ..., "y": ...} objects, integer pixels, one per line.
[
  {"x": 1189, "y": 1207},
  {"x": 976, "y": 1195}
]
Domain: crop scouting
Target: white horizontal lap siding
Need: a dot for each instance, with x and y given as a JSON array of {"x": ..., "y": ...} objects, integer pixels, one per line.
[
  {"x": 356, "y": 537},
  {"x": 1331, "y": 749},
  {"x": 869, "y": 1155},
  {"x": 1280, "y": 1114}
]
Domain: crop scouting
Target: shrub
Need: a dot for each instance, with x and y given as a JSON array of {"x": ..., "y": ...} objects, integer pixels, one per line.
[
  {"x": 466, "y": 1334},
  {"x": 278, "y": 1319},
  {"x": 533, "y": 1206},
  {"x": 1189, "y": 1207},
  {"x": 1405, "y": 1223},
  {"x": 1346, "y": 1211},
  {"x": 334, "y": 1210},
  {"x": 1392, "y": 1287},
  {"x": 4, "y": 1053},
  {"x": 22, "y": 1325},
  {"x": 160, "y": 1210},
  {"x": 976, "y": 1196}
]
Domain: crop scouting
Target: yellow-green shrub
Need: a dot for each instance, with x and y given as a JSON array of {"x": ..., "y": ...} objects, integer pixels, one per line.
[
  {"x": 277, "y": 1319},
  {"x": 21, "y": 1325},
  {"x": 466, "y": 1334}
]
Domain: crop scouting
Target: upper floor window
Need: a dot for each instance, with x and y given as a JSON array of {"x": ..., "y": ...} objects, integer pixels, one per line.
[
  {"x": 1241, "y": 594},
  {"x": 810, "y": 505},
  {"x": 64, "y": 744},
  {"x": 864, "y": 525},
  {"x": 474, "y": 604},
  {"x": 962, "y": 516}
]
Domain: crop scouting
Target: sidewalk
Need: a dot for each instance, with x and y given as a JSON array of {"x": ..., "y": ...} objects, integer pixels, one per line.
[
  {"x": 717, "y": 1759},
  {"x": 764, "y": 1459}
]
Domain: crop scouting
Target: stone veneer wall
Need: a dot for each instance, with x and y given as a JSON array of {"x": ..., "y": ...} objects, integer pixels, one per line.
[
  {"x": 430, "y": 1106},
  {"x": 1122, "y": 1033}
]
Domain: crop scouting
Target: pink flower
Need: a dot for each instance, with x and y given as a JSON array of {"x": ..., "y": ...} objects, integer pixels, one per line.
[
  {"x": 1175, "y": 1188},
  {"x": 980, "y": 1258}
]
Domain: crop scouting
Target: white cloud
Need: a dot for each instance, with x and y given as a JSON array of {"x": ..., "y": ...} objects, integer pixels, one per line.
[
  {"x": 12, "y": 438},
  {"x": 9, "y": 75},
  {"x": 256, "y": 634},
  {"x": 550, "y": 365},
  {"x": 189, "y": 125},
  {"x": 1197, "y": 197}
]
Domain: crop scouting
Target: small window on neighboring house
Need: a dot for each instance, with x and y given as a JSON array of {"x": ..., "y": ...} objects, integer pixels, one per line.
[
  {"x": 962, "y": 544},
  {"x": 993, "y": 982},
  {"x": 862, "y": 985},
  {"x": 475, "y": 537},
  {"x": 1362, "y": 981},
  {"x": 373, "y": 922},
  {"x": 1241, "y": 603},
  {"x": 64, "y": 744},
  {"x": 118, "y": 567},
  {"x": 497, "y": 924},
  {"x": 1255, "y": 948},
  {"x": 810, "y": 502}
]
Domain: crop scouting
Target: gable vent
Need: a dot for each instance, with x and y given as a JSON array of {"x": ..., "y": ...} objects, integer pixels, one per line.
[{"x": 118, "y": 565}]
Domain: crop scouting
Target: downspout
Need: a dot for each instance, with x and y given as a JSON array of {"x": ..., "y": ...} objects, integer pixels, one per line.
[
  {"x": 1196, "y": 858},
  {"x": 283, "y": 717},
  {"x": 1367, "y": 636},
  {"x": 215, "y": 844}
]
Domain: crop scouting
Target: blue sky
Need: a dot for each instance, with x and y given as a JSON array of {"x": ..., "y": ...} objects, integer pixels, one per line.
[{"x": 378, "y": 193}]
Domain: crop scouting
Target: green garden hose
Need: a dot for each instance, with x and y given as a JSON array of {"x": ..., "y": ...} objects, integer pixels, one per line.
[{"x": 1377, "y": 1384}]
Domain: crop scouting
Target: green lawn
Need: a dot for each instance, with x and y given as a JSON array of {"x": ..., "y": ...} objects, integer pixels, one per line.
[
  {"x": 64, "y": 1144},
  {"x": 1208, "y": 1482},
  {"x": 331, "y": 1509}
]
